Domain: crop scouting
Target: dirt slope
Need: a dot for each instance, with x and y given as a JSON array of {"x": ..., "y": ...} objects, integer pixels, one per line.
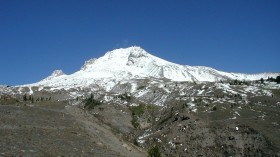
[{"x": 53, "y": 130}]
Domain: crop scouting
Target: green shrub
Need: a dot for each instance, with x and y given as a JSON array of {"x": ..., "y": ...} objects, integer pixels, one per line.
[
  {"x": 138, "y": 110},
  {"x": 134, "y": 122},
  {"x": 135, "y": 142},
  {"x": 154, "y": 152},
  {"x": 90, "y": 103},
  {"x": 214, "y": 108}
]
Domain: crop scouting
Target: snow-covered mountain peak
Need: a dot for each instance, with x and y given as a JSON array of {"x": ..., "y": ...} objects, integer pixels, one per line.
[
  {"x": 123, "y": 54},
  {"x": 88, "y": 63},
  {"x": 136, "y": 50},
  {"x": 57, "y": 73},
  {"x": 123, "y": 58},
  {"x": 130, "y": 63}
]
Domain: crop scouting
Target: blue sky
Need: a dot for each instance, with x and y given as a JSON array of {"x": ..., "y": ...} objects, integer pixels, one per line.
[{"x": 39, "y": 36}]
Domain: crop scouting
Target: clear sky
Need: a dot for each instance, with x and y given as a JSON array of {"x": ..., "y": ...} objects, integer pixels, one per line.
[{"x": 39, "y": 36}]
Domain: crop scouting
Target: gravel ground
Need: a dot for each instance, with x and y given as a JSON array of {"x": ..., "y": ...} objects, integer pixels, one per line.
[{"x": 53, "y": 130}]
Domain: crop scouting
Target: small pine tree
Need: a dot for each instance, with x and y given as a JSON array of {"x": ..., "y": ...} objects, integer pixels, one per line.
[
  {"x": 277, "y": 79},
  {"x": 25, "y": 97},
  {"x": 262, "y": 81}
]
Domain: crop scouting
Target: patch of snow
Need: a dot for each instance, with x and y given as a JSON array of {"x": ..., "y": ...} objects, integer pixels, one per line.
[
  {"x": 30, "y": 90},
  {"x": 237, "y": 113},
  {"x": 108, "y": 98},
  {"x": 161, "y": 101},
  {"x": 141, "y": 93},
  {"x": 140, "y": 139},
  {"x": 200, "y": 92}
]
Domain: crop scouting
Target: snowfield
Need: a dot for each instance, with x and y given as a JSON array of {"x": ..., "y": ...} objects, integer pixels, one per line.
[{"x": 135, "y": 63}]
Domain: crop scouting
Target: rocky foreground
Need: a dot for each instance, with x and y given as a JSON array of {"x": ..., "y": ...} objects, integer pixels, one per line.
[
  {"x": 52, "y": 129},
  {"x": 177, "y": 118}
]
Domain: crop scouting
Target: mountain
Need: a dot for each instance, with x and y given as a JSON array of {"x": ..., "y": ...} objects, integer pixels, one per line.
[
  {"x": 128, "y": 101},
  {"x": 135, "y": 63}
]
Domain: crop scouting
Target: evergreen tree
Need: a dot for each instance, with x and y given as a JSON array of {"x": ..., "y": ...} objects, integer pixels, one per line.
[
  {"x": 91, "y": 96},
  {"x": 262, "y": 81},
  {"x": 25, "y": 97},
  {"x": 235, "y": 82},
  {"x": 277, "y": 79}
]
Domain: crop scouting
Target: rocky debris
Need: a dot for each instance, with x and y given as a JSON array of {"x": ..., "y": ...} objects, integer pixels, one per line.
[
  {"x": 181, "y": 118},
  {"x": 51, "y": 130}
]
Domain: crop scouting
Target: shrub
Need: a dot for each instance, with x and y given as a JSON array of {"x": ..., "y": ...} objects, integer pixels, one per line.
[
  {"x": 214, "y": 108},
  {"x": 134, "y": 122},
  {"x": 90, "y": 103},
  {"x": 154, "y": 152},
  {"x": 137, "y": 110}
]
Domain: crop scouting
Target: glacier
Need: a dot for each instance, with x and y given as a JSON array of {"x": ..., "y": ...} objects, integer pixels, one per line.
[{"x": 125, "y": 64}]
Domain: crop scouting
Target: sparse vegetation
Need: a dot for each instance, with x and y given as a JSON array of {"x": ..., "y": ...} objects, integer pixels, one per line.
[
  {"x": 154, "y": 152},
  {"x": 135, "y": 122},
  {"x": 90, "y": 103},
  {"x": 124, "y": 97},
  {"x": 238, "y": 82},
  {"x": 209, "y": 111},
  {"x": 271, "y": 79},
  {"x": 137, "y": 110},
  {"x": 276, "y": 92}
]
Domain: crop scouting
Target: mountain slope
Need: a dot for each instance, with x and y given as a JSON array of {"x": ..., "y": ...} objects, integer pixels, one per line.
[{"x": 135, "y": 62}]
